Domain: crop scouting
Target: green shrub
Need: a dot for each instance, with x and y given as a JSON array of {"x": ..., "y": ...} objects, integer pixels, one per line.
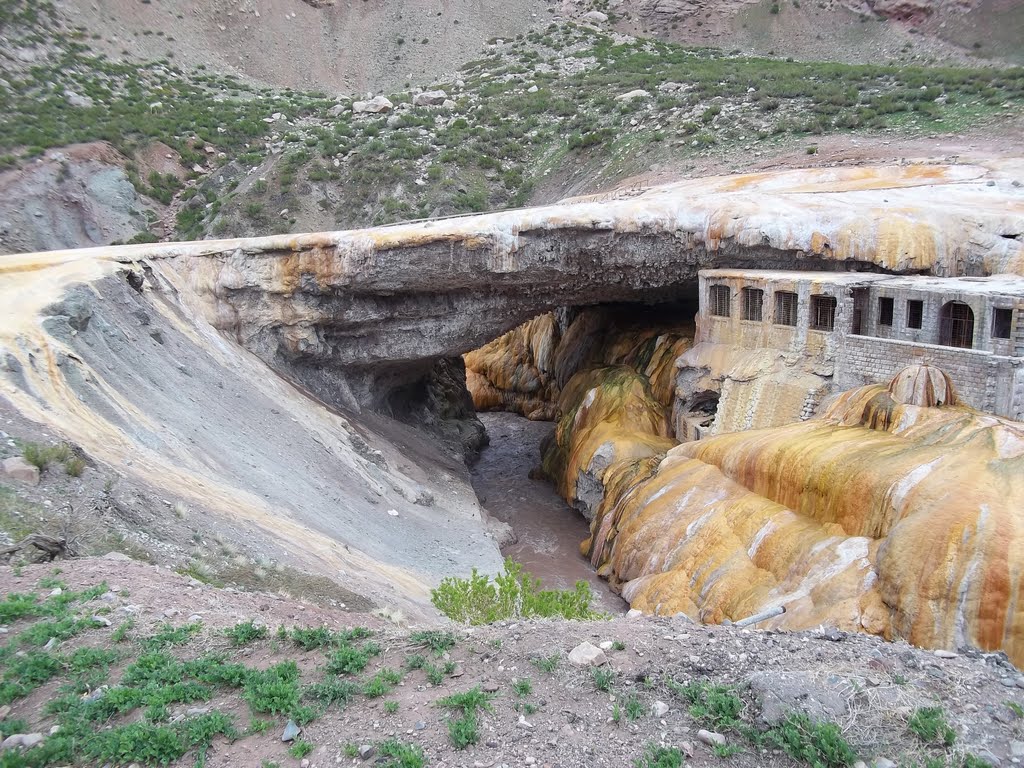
[
  {"x": 245, "y": 632},
  {"x": 513, "y": 593},
  {"x": 395, "y": 754},
  {"x": 464, "y": 731},
  {"x": 929, "y": 724},
  {"x": 820, "y": 744},
  {"x": 660, "y": 757}
]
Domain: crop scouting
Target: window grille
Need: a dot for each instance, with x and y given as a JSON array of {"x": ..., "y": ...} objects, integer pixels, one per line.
[
  {"x": 956, "y": 327},
  {"x": 915, "y": 313},
  {"x": 721, "y": 298},
  {"x": 753, "y": 304},
  {"x": 785, "y": 308},
  {"x": 823, "y": 313},
  {"x": 885, "y": 305},
  {"x": 1002, "y": 322}
]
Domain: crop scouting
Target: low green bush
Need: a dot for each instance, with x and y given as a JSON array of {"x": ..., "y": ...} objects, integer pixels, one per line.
[{"x": 513, "y": 593}]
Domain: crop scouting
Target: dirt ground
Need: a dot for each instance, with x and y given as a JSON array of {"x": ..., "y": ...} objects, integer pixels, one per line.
[{"x": 868, "y": 687}]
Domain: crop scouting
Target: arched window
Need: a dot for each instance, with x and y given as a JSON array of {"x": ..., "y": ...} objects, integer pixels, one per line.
[{"x": 956, "y": 325}]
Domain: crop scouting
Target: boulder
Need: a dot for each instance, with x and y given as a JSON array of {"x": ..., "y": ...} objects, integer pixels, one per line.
[
  {"x": 587, "y": 655},
  {"x": 374, "y": 106},
  {"x": 16, "y": 468},
  {"x": 781, "y": 693},
  {"x": 639, "y": 93},
  {"x": 429, "y": 99},
  {"x": 595, "y": 17}
]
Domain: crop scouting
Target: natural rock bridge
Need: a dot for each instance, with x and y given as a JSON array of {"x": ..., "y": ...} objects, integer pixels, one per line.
[
  {"x": 380, "y": 305},
  {"x": 144, "y": 375}
]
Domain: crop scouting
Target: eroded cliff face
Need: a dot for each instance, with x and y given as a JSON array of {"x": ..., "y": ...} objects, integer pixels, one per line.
[{"x": 896, "y": 513}]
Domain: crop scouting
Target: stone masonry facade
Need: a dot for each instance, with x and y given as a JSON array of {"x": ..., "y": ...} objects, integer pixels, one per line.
[{"x": 863, "y": 328}]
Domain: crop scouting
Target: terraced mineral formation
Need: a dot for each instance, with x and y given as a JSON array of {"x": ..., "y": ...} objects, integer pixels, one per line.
[{"x": 896, "y": 513}]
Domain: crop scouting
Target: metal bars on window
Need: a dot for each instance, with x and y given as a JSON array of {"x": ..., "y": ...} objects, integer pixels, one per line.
[
  {"x": 720, "y": 300},
  {"x": 823, "y": 313},
  {"x": 753, "y": 304},
  {"x": 785, "y": 308}
]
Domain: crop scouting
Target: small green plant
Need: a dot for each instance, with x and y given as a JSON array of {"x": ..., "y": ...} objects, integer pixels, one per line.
[
  {"x": 416, "y": 661},
  {"x": 522, "y": 687},
  {"x": 616, "y": 713},
  {"x": 715, "y": 706},
  {"x": 434, "y": 674},
  {"x": 547, "y": 664},
  {"x": 332, "y": 691},
  {"x": 435, "y": 641},
  {"x": 659, "y": 757},
  {"x": 603, "y": 678},
  {"x": 75, "y": 466},
  {"x": 634, "y": 708},
  {"x": 391, "y": 707},
  {"x": 395, "y": 754},
  {"x": 463, "y": 731},
  {"x": 513, "y": 593},
  {"x": 467, "y": 701},
  {"x": 381, "y": 683},
  {"x": 618, "y": 645},
  {"x": 726, "y": 750},
  {"x": 300, "y": 749},
  {"x": 820, "y": 744},
  {"x": 245, "y": 633},
  {"x": 929, "y": 724},
  {"x": 258, "y": 725},
  {"x": 1014, "y": 707},
  {"x": 350, "y": 750}
]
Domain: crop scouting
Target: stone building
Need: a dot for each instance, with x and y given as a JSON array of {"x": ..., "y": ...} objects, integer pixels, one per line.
[{"x": 849, "y": 329}]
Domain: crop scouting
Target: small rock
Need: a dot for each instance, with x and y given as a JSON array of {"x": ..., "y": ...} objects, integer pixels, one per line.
[
  {"x": 607, "y": 645},
  {"x": 1017, "y": 748},
  {"x": 55, "y": 729},
  {"x": 50, "y": 644},
  {"x": 56, "y": 592},
  {"x": 16, "y": 468},
  {"x": 524, "y": 723},
  {"x": 942, "y": 653},
  {"x": 587, "y": 655},
  {"x": 882, "y": 762},
  {"x": 420, "y": 725},
  {"x": 639, "y": 93},
  {"x": 366, "y": 751},
  {"x": 532, "y": 89},
  {"x": 393, "y": 512},
  {"x": 595, "y": 17},
  {"x": 429, "y": 99},
  {"x": 291, "y": 731},
  {"x": 304, "y": 763},
  {"x": 374, "y": 106},
  {"x": 659, "y": 708},
  {"x": 711, "y": 738},
  {"x": 490, "y": 687},
  {"x": 101, "y": 620},
  {"x": 634, "y": 613},
  {"x": 5, "y": 710}
]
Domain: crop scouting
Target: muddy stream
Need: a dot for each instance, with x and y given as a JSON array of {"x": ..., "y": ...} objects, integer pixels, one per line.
[{"x": 548, "y": 531}]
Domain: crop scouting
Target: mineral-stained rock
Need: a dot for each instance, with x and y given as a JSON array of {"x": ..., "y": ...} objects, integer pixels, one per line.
[{"x": 880, "y": 516}]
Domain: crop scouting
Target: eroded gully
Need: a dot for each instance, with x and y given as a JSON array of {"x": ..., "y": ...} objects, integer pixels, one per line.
[{"x": 548, "y": 531}]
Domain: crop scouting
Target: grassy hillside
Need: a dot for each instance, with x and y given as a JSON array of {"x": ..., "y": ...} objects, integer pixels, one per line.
[{"x": 541, "y": 106}]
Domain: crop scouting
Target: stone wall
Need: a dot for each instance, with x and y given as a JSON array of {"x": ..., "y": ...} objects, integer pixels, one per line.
[{"x": 985, "y": 381}]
